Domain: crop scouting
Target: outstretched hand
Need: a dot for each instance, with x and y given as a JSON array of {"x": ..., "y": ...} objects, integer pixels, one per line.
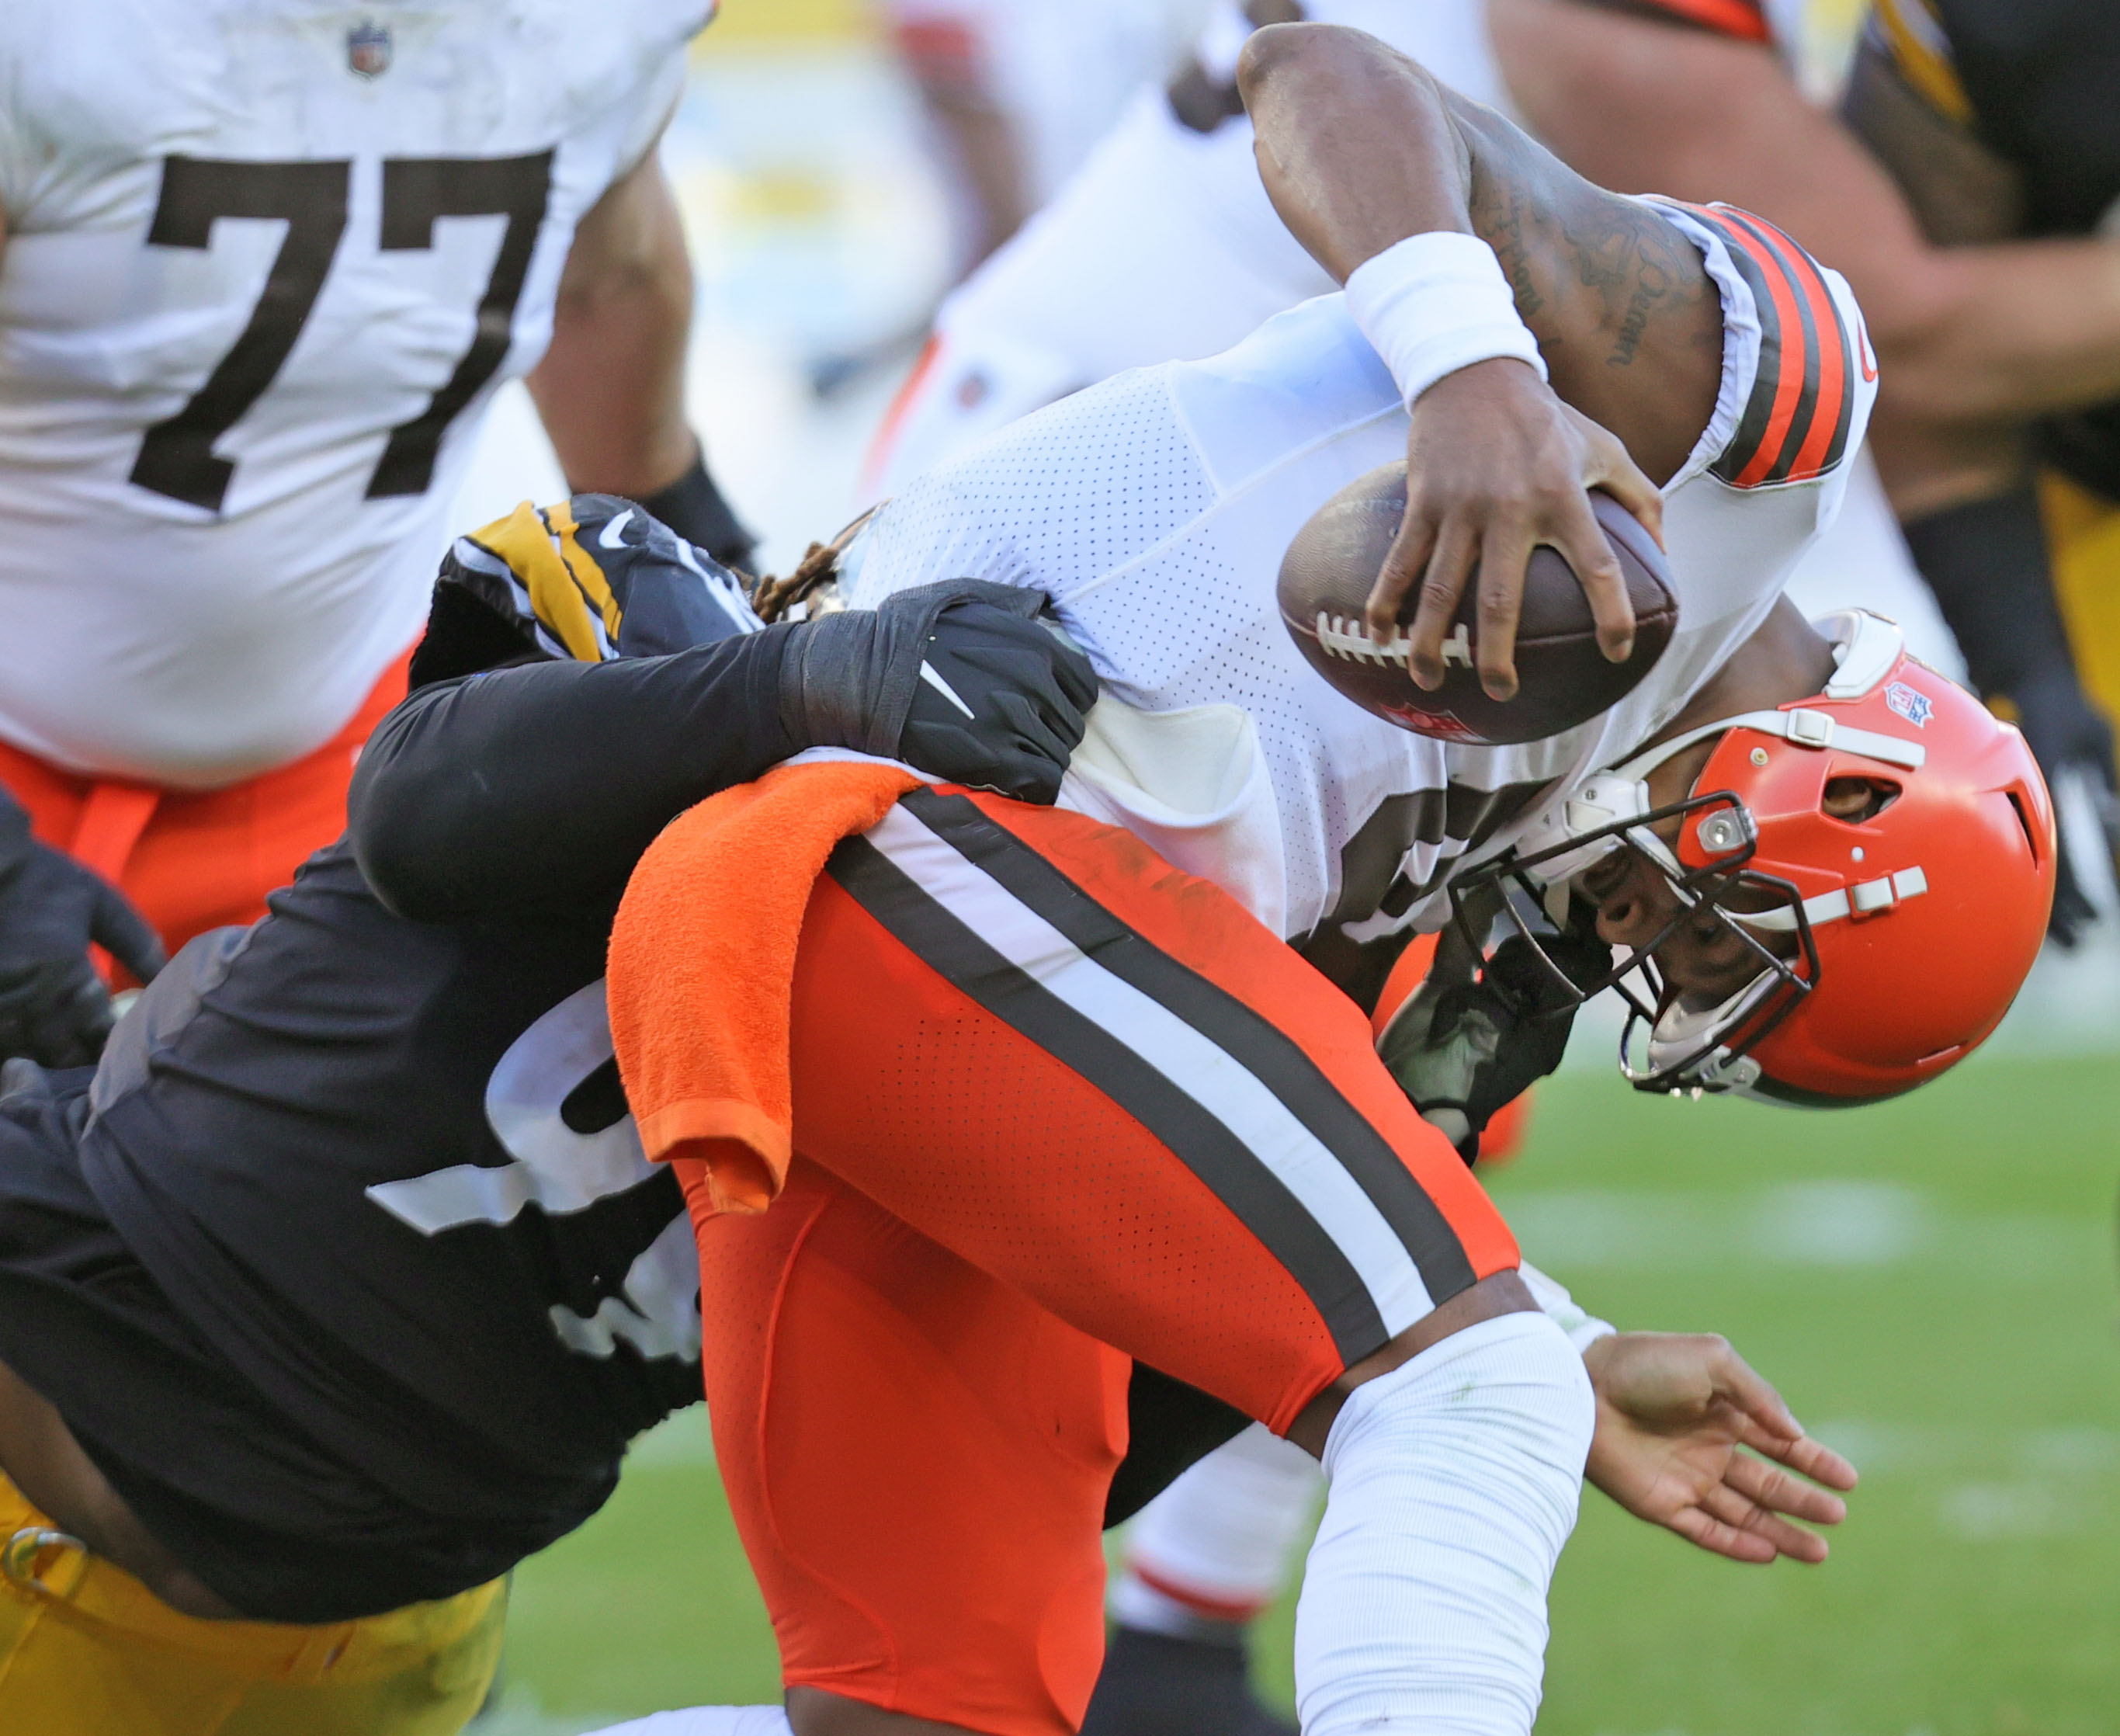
[
  {"x": 54, "y": 1008},
  {"x": 1674, "y": 1412},
  {"x": 1496, "y": 464}
]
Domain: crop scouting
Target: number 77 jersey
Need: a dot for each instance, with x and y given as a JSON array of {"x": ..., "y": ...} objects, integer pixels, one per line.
[{"x": 264, "y": 268}]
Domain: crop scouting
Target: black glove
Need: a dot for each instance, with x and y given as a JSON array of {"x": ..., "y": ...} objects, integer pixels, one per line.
[
  {"x": 1465, "y": 1047},
  {"x": 694, "y": 508},
  {"x": 53, "y": 1008},
  {"x": 959, "y": 679}
]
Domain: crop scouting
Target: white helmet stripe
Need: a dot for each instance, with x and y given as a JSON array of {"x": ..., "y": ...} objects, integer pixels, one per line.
[{"x": 1870, "y": 894}]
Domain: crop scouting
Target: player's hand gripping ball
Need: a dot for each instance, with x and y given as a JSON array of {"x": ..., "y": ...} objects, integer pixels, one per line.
[{"x": 1562, "y": 677}]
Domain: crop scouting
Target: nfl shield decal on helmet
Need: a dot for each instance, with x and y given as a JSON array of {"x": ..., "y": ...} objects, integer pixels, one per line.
[
  {"x": 367, "y": 49},
  {"x": 1910, "y": 702}
]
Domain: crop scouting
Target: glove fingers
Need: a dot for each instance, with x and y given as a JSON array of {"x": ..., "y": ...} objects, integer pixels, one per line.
[
  {"x": 124, "y": 933},
  {"x": 1022, "y": 652},
  {"x": 1033, "y": 730},
  {"x": 979, "y": 762}
]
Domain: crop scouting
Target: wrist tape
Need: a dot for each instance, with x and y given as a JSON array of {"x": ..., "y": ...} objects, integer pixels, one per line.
[{"x": 1436, "y": 303}]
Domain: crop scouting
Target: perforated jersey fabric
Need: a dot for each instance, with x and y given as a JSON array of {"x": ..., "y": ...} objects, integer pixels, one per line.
[{"x": 1154, "y": 508}]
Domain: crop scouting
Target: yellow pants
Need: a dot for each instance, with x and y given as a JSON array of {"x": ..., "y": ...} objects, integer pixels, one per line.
[
  {"x": 85, "y": 1649},
  {"x": 2083, "y": 533}
]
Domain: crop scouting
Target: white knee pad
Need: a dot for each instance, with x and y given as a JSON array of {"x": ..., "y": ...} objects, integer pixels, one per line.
[
  {"x": 706, "y": 1721},
  {"x": 1452, "y": 1483},
  {"x": 1214, "y": 1547}
]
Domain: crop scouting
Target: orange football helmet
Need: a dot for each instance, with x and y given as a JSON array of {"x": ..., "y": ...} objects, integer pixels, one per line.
[{"x": 1890, "y": 945}]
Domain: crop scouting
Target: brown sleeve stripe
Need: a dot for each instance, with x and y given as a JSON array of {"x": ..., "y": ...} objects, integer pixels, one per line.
[{"x": 1795, "y": 425}]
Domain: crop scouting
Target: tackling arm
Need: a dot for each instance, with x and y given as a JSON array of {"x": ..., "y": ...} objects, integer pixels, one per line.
[{"x": 531, "y": 791}]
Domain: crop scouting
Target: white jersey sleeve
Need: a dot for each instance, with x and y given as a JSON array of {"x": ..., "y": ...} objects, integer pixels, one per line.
[
  {"x": 1153, "y": 509},
  {"x": 265, "y": 267}
]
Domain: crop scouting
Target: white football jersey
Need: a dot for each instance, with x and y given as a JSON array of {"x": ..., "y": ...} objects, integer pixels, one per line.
[
  {"x": 1154, "y": 508},
  {"x": 1163, "y": 244},
  {"x": 267, "y": 261}
]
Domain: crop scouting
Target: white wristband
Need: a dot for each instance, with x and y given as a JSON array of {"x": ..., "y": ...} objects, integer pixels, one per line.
[{"x": 1436, "y": 303}]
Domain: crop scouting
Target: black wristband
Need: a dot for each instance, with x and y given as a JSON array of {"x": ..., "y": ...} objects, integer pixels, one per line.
[{"x": 694, "y": 508}]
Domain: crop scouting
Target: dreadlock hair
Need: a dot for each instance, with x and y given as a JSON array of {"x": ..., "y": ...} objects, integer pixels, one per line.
[{"x": 815, "y": 576}]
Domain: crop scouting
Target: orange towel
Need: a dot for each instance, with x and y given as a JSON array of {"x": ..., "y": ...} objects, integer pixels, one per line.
[{"x": 702, "y": 968}]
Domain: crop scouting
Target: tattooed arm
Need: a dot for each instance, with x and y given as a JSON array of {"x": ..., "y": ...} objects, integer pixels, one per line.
[{"x": 1359, "y": 147}]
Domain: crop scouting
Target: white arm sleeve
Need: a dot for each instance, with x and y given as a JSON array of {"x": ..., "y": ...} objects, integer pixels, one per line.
[{"x": 1452, "y": 1483}]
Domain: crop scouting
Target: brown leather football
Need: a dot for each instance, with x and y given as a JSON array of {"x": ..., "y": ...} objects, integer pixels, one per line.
[{"x": 1562, "y": 677}]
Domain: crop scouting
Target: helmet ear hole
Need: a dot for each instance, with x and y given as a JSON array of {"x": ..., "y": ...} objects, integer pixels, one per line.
[
  {"x": 2024, "y": 820},
  {"x": 1853, "y": 800}
]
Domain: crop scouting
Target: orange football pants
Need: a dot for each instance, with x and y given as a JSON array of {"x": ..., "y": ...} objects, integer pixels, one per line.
[
  {"x": 192, "y": 860},
  {"x": 1057, "y": 1105}
]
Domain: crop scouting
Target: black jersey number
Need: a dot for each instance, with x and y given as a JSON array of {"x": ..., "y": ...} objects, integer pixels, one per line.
[{"x": 177, "y": 457}]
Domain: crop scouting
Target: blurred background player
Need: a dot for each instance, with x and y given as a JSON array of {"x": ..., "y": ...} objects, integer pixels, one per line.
[
  {"x": 1163, "y": 246},
  {"x": 263, "y": 269},
  {"x": 1996, "y": 123},
  {"x": 1015, "y": 94},
  {"x": 1020, "y": 92}
]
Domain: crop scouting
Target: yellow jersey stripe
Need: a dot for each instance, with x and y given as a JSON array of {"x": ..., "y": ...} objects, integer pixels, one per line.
[{"x": 1914, "y": 35}]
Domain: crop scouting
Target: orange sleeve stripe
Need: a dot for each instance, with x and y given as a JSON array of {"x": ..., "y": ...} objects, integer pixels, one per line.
[
  {"x": 1796, "y": 423},
  {"x": 1828, "y": 417},
  {"x": 1818, "y": 434},
  {"x": 1743, "y": 19},
  {"x": 1787, "y": 369}
]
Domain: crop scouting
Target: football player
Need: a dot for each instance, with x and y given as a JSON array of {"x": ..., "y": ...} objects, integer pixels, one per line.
[
  {"x": 262, "y": 270},
  {"x": 1163, "y": 246},
  {"x": 1166, "y": 246},
  {"x": 1995, "y": 129},
  {"x": 1050, "y": 1096},
  {"x": 341, "y": 1285}
]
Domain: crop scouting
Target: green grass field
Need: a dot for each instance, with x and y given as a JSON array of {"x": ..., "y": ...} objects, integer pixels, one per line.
[{"x": 1931, "y": 1283}]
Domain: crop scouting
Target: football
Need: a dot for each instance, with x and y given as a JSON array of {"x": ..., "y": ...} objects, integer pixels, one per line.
[{"x": 1562, "y": 677}]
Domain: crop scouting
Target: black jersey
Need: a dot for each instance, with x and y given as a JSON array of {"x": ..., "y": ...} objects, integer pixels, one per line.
[
  {"x": 2040, "y": 77},
  {"x": 2034, "y": 82},
  {"x": 347, "y": 1267},
  {"x": 386, "y": 1167}
]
